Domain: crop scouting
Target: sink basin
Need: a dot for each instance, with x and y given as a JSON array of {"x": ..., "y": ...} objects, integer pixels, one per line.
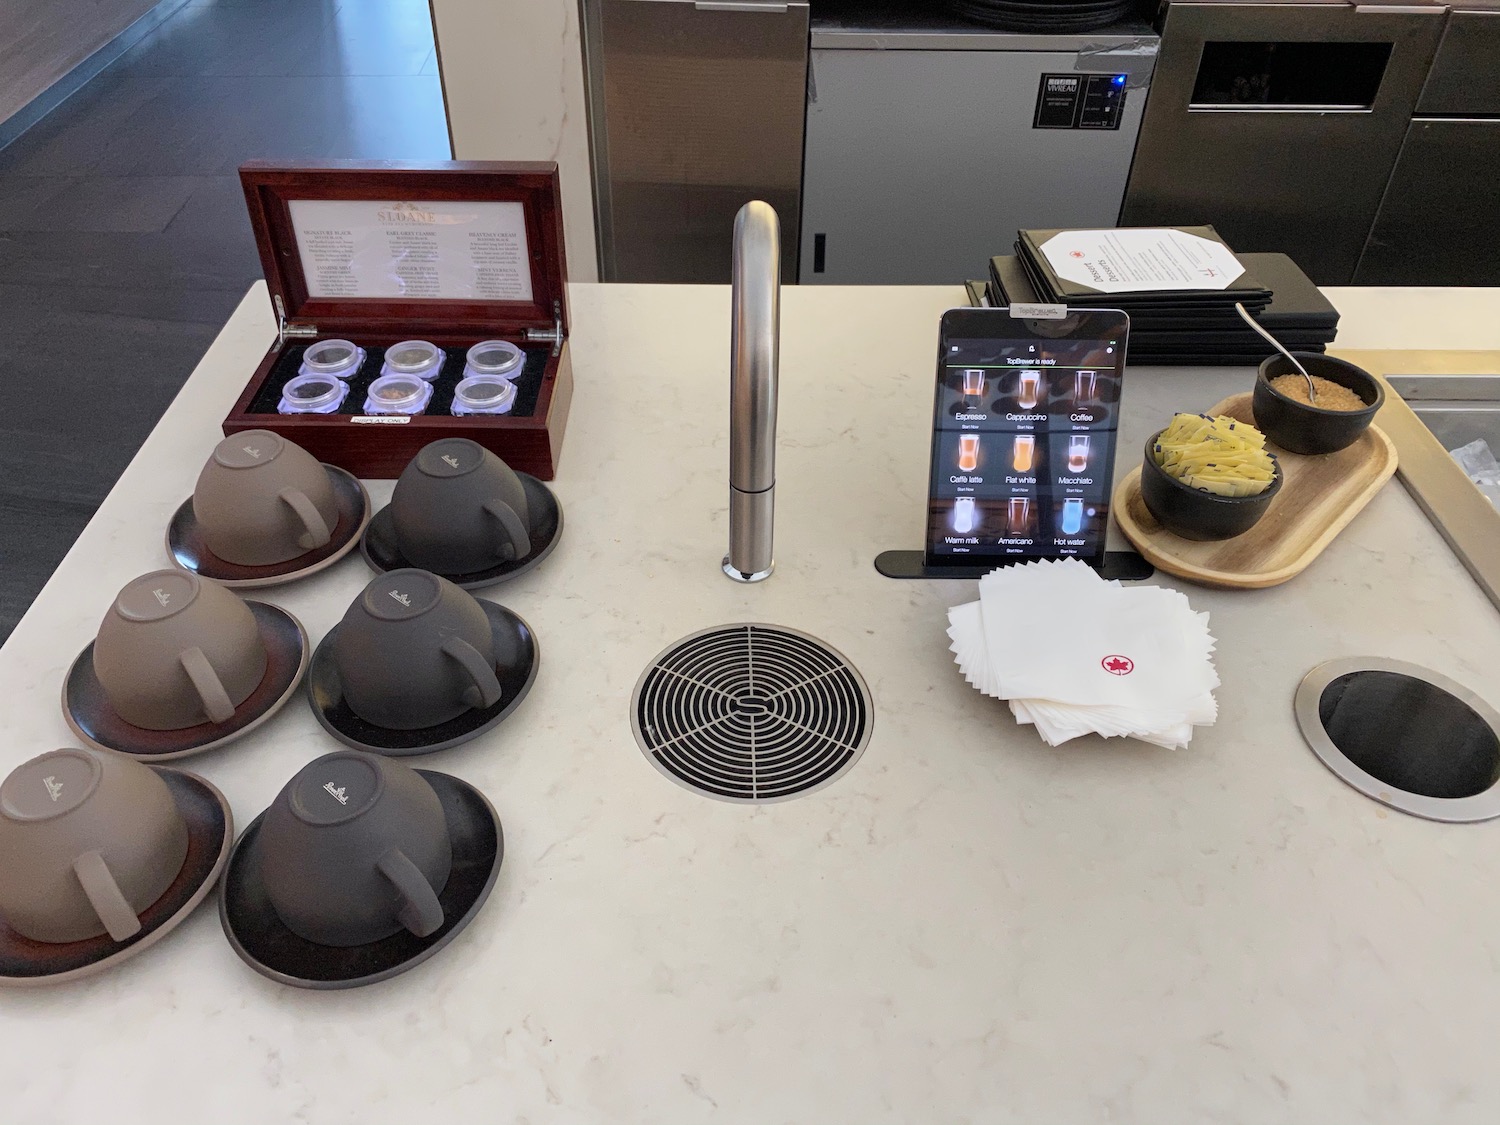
[
  {"x": 1428, "y": 415},
  {"x": 1457, "y": 409}
]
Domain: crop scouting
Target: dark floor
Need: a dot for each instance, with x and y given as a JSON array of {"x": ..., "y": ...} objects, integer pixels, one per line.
[{"x": 124, "y": 244}]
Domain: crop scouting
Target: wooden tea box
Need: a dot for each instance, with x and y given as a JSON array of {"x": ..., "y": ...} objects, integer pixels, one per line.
[{"x": 452, "y": 253}]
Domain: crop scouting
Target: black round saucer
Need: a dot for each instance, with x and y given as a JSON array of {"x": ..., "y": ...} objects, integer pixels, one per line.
[
  {"x": 90, "y": 716},
  {"x": 265, "y": 944},
  {"x": 188, "y": 550},
  {"x": 210, "y": 823},
  {"x": 516, "y": 661},
  {"x": 544, "y": 522}
]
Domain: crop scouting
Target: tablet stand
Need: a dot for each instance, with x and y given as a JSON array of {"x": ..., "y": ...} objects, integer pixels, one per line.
[{"x": 1127, "y": 566}]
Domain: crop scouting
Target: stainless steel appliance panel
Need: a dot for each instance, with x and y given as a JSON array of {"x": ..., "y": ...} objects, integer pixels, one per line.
[
  {"x": 1272, "y": 172},
  {"x": 696, "y": 107},
  {"x": 1437, "y": 225},
  {"x": 921, "y": 164},
  {"x": 1465, "y": 75}
]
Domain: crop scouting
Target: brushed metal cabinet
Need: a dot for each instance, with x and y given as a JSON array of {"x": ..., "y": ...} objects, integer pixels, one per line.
[
  {"x": 695, "y": 108},
  {"x": 921, "y": 164},
  {"x": 1305, "y": 180},
  {"x": 1439, "y": 224},
  {"x": 1465, "y": 76}
]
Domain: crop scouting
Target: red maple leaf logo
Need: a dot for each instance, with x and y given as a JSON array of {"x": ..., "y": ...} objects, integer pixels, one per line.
[
  {"x": 1118, "y": 665},
  {"x": 1075, "y": 253}
]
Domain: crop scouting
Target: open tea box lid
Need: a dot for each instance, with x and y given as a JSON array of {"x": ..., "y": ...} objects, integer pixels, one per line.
[
  {"x": 392, "y": 247},
  {"x": 385, "y": 278}
]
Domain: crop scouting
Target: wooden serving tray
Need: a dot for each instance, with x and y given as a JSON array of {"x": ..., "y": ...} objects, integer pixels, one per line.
[{"x": 1319, "y": 496}]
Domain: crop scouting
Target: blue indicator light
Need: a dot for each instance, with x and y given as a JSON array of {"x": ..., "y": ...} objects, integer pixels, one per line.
[{"x": 1119, "y": 80}]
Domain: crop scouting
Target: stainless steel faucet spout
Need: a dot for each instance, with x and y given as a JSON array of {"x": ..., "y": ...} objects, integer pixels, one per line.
[{"x": 755, "y": 344}]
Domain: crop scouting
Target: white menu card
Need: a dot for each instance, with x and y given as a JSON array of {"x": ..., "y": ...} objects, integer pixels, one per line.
[
  {"x": 454, "y": 251},
  {"x": 1140, "y": 259}
]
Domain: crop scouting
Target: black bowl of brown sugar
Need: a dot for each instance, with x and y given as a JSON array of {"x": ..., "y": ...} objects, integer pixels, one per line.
[{"x": 1344, "y": 401}]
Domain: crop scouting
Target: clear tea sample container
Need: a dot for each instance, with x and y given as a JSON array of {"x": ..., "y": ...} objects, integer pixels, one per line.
[
  {"x": 494, "y": 357},
  {"x": 398, "y": 394},
  {"x": 339, "y": 358},
  {"x": 485, "y": 394},
  {"x": 413, "y": 357},
  {"x": 312, "y": 394}
]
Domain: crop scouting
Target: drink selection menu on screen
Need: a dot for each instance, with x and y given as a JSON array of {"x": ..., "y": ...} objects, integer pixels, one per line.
[{"x": 1023, "y": 449}]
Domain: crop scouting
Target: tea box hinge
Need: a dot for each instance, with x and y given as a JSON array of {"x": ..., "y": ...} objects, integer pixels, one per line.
[
  {"x": 285, "y": 331},
  {"x": 554, "y": 335}
]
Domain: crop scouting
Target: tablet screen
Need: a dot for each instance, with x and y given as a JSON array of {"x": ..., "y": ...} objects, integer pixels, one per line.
[{"x": 1024, "y": 425}]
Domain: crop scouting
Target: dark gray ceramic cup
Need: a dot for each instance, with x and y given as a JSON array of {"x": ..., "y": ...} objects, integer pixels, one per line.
[
  {"x": 176, "y": 650},
  {"x": 413, "y": 651},
  {"x": 457, "y": 508},
  {"x": 261, "y": 499},
  {"x": 354, "y": 849},
  {"x": 88, "y": 841}
]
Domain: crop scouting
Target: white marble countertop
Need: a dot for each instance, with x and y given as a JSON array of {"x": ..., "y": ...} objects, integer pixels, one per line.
[{"x": 969, "y": 926}]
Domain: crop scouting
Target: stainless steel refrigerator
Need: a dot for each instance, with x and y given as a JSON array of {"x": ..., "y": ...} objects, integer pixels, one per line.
[
  {"x": 695, "y": 107},
  {"x": 931, "y": 142}
]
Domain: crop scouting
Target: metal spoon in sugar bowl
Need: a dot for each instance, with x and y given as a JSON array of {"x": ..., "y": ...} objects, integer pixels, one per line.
[{"x": 1312, "y": 391}]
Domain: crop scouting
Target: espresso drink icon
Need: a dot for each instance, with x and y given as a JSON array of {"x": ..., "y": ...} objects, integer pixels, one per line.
[
  {"x": 1072, "y": 516},
  {"x": 1017, "y": 514},
  {"x": 964, "y": 516},
  {"x": 968, "y": 452},
  {"x": 1023, "y": 453},
  {"x": 973, "y": 383},
  {"x": 1078, "y": 452},
  {"x": 1029, "y": 390}
]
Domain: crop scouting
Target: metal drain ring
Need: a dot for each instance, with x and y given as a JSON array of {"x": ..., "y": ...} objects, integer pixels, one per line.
[
  {"x": 751, "y": 713},
  {"x": 1454, "y": 810}
]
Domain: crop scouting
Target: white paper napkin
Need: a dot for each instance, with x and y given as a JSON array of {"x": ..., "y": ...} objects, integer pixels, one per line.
[{"x": 1075, "y": 654}]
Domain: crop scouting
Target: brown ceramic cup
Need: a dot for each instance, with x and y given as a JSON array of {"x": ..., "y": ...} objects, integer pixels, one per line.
[
  {"x": 176, "y": 650},
  {"x": 457, "y": 509},
  {"x": 88, "y": 840},
  {"x": 261, "y": 499},
  {"x": 354, "y": 849},
  {"x": 413, "y": 651}
]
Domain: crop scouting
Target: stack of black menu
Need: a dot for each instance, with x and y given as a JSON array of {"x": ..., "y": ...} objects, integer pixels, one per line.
[{"x": 1184, "y": 326}]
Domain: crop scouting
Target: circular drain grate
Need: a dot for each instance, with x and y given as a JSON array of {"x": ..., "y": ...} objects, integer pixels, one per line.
[{"x": 751, "y": 713}]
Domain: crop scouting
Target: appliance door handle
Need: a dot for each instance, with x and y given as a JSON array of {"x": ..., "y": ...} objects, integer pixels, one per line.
[{"x": 773, "y": 7}]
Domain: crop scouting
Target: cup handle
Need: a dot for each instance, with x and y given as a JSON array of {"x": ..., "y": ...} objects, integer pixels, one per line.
[
  {"x": 421, "y": 913},
  {"x": 317, "y": 533},
  {"x": 514, "y": 525},
  {"x": 105, "y": 897},
  {"x": 486, "y": 689},
  {"x": 210, "y": 690}
]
